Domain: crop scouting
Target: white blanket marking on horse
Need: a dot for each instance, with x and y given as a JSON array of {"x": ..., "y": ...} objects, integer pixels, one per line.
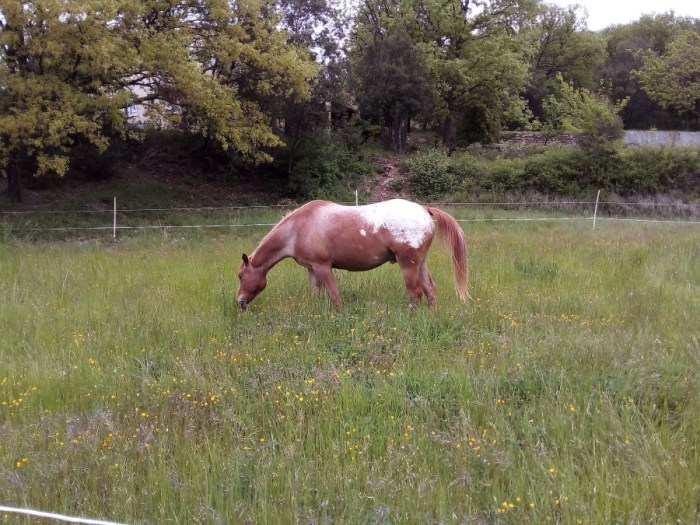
[{"x": 407, "y": 222}]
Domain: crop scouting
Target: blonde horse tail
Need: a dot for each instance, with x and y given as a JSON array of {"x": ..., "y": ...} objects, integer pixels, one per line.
[{"x": 452, "y": 235}]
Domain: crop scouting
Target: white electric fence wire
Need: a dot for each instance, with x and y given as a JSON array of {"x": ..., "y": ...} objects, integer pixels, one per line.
[
  {"x": 135, "y": 210},
  {"x": 51, "y": 515},
  {"x": 278, "y": 206},
  {"x": 656, "y": 221},
  {"x": 269, "y": 225},
  {"x": 114, "y": 227},
  {"x": 145, "y": 227}
]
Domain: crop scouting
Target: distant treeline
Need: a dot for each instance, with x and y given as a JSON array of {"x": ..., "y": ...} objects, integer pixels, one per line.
[{"x": 267, "y": 83}]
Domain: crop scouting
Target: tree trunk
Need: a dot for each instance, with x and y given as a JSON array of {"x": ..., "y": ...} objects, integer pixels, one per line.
[
  {"x": 293, "y": 147},
  {"x": 14, "y": 187},
  {"x": 447, "y": 131},
  {"x": 398, "y": 133}
]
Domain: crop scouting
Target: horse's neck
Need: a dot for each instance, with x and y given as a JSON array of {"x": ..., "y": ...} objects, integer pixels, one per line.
[{"x": 273, "y": 248}]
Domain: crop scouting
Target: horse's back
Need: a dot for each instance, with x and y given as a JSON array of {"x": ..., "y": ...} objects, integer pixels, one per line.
[{"x": 398, "y": 221}]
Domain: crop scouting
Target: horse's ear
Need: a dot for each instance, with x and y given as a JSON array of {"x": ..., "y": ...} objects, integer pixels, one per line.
[{"x": 246, "y": 261}]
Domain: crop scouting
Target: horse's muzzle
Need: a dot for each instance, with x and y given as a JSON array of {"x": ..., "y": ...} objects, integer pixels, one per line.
[{"x": 242, "y": 303}]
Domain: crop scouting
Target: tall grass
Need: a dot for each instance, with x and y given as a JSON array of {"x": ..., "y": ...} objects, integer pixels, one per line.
[{"x": 131, "y": 387}]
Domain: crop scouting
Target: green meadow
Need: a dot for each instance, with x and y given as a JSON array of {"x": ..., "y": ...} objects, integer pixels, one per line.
[{"x": 567, "y": 391}]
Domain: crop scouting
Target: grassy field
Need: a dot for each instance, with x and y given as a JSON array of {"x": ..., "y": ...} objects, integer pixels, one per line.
[{"x": 567, "y": 391}]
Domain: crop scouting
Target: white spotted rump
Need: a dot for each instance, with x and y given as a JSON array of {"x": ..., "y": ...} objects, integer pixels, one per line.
[{"x": 406, "y": 221}]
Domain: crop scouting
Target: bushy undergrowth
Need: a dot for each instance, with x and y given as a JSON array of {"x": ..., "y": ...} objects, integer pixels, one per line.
[
  {"x": 657, "y": 170},
  {"x": 326, "y": 167},
  {"x": 559, "y": 171},
  {"x": 434, "y": 174}
]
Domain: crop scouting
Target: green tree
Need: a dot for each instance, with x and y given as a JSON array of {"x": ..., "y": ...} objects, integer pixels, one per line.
[
  {"x": 68, "y": 70},
  {"x": 596, "y": 123},
  {"x": 320, "y": 26},
  {"x": 593, "y": 118},
  {"x": 477, "y": 56},
  {"x": 626, "y": 46},
  {"x": 566, "y": 48},
  {"x": 672, "y": 79},
  {"x": 58, "y": 71},
  {"x": 393, "y": 84}
]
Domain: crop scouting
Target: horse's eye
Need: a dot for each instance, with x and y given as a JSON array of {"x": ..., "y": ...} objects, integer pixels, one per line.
[{"x": 240, "y": 278}]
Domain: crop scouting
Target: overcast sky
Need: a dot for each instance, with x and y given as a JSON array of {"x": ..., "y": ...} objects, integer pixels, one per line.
[{"x": 604, "y": 13}]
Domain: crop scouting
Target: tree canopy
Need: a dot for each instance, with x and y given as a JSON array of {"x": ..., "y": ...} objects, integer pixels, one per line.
[
  {"x": 626, "y": 47},
  {"x": 393, "y": 83},
  {"x": 592, "y": 117},
  {"x": 672, "y": 79},
  {"x": 566, "y": 49},
  {"x": 477, "y": 56},
  {"x": 69, "y": 69}
]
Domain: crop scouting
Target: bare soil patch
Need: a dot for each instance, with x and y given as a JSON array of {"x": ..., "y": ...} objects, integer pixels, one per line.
[{"x": 389, "y": 183}]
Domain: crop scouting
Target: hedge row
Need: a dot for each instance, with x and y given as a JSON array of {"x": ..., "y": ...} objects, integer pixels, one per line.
[{"x": 561, "y": 171}]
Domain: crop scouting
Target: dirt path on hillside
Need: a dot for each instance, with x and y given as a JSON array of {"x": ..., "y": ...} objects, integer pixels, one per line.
[{"x": 389, "y": 183}]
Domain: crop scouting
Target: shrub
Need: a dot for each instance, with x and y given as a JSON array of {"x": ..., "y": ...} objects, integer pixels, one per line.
[
  {"x": 504, "y": 175},
  {"x": 355, "y": 132},
  {"x": 563, "y": 171},
  {"x": 557, "y": 171},
  {"x": 431, "y": 175},
  {"x": 435, "y": 174},
  {"x": 468, "y": 171},
  {"x": 656, "y": 170},
  {"x": 326, "y": 168}
]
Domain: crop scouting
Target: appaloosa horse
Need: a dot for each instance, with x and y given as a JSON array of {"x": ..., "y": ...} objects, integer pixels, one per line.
[{"x": 322, "y": 235}]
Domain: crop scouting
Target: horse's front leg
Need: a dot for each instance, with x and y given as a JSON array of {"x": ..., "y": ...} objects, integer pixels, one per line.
[
  {"x": 324, "y": 274},
  {"x": 314, "y": 282}
]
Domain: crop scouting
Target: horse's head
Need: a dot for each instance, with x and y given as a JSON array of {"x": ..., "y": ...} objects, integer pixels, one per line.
[{"x": 252, "y": 282}]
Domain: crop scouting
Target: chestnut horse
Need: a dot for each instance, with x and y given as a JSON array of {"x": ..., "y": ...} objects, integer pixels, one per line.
[{"x": 322, "y": 235}]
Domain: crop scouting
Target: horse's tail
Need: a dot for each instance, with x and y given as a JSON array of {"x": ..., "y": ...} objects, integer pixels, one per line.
[{"x": 451, "y": 233}]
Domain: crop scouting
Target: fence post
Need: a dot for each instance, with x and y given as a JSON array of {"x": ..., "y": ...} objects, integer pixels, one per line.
[
  {"x": 595, "y": 210},
  {"x": 357, "y": 198},
  {"x": 114, "y": 221}
]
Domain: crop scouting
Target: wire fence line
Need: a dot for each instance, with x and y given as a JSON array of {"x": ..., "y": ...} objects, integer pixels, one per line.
[
  {"x": 144, "y": 227},
  {"x": 679, "y": 205},
  {"x": 589, "y": 210},
  {"x": 53, "y": 516},
  {"x": 144, "y": 210}
]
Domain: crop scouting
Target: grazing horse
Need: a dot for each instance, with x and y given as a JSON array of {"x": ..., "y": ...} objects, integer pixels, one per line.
[{"x": 321, "y": 235}]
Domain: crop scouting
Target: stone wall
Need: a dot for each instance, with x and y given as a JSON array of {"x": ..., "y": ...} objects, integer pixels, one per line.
[
  {"x": 533, "y": 137},
  {"x": 631, "y": 138},
  {"x": 662, "y": 138}
]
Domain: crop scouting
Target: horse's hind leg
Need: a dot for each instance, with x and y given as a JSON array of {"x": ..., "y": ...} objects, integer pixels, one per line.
[
  {"x": 427, "y": 284},
  {"x": 411, "y": 278}
]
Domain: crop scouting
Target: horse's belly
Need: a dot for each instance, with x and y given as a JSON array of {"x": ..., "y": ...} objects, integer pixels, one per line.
[{"x": 360, "y": 261}]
